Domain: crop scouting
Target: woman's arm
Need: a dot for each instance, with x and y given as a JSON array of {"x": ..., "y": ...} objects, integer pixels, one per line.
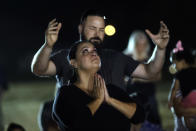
[
  {"x": 181, "y": 111},
  {"x": 128, "y": 109},
  {"x": 132, "y": 111},
  {"x": 175, "y": 86}
]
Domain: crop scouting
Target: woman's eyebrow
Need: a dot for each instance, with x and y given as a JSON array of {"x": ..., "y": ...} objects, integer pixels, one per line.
[{"x": 86, "y": 47}]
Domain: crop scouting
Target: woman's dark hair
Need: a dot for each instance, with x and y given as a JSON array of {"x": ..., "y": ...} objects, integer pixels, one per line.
[
  {"x": 73, "y": 49},
  {"x": 91, "y": 12},
  {"x": 13, "y": 126},
  {"x": 72, "y": 55}
]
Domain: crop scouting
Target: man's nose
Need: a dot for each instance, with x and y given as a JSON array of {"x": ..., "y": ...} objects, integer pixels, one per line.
[{"x": 96, "y": 32}]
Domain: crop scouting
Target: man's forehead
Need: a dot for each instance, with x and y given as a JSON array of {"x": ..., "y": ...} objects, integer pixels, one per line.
[{"x": 94, "y": 19}]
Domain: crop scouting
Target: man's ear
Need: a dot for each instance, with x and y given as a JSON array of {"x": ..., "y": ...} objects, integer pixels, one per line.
[
  {"x": 73, "y": 63},
  {"x": 80, "y": 28}
]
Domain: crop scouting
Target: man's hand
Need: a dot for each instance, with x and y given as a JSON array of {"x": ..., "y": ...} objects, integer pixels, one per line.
[
  {"x": 162, "y": 38},
  {"x": 51, "y": 34}
]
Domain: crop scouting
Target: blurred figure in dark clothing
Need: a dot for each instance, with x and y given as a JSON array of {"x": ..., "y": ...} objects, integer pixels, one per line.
[
  {"x": 3, "y": 88},
  {"x": 183, "y": 90},
  {"x": 15, "y": 127},
  {"x": 143, "y": 91},
  {"x": 45, "y": 120}
]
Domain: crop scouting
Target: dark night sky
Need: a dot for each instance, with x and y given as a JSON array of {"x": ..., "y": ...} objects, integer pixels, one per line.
[{"x": 23, "y": 24}]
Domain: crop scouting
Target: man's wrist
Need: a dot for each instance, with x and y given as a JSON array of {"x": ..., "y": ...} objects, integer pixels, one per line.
[
  {"x": 48, "y": 46},
  {"x": 161, "y": 49}
]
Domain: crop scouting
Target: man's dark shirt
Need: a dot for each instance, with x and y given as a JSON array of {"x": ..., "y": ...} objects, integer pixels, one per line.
[{"x": 114, "y": 67}]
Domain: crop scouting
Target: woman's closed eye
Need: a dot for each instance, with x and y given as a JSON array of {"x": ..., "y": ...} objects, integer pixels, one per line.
[{"x": 86, "y": 51}]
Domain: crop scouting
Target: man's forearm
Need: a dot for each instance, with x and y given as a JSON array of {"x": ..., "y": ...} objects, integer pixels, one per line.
[
  {"x": 40, "y": 60},
  {"x": 156, "y": 62}
]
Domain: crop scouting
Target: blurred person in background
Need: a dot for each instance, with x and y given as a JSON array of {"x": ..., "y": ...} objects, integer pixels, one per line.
[
  {"x": 144, "y": 91},
  {"x": 15, "y": 127},
  {"x": 3, "y": 88},
  {"x": 183, "y": 89},
  {"x": 45, "y": 119}
]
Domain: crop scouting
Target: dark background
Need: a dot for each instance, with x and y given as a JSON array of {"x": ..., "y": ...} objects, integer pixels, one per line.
[{"x": 23, "y": 24}]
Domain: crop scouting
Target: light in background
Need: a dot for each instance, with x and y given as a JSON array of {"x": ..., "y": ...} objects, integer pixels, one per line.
[{"x": 110, "y": 30}]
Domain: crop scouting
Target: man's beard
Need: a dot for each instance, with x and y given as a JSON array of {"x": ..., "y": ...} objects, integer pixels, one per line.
[
  {"x": 96, "y": 41},
  {"x": 92, "y": 39}
]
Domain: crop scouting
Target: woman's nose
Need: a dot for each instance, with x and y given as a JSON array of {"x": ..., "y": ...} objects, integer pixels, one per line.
[{"x": 94, "y": 53}]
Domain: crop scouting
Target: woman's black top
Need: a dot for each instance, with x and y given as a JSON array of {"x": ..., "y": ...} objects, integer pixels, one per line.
[{"x": 71, "y": 112}]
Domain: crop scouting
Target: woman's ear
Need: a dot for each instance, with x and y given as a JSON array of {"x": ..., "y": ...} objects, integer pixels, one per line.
[{"x": 73, "y": 63}]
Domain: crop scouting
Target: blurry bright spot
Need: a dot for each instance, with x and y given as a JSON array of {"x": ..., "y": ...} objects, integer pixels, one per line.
[{"x": 110, "y": 30}]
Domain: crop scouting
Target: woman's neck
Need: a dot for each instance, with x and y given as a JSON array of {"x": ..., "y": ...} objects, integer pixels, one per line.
[{"x": 84, "y": 80}]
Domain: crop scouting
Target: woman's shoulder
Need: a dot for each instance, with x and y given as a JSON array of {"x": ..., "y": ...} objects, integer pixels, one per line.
[
  {"x": 116, "y": 91},
  {"x": 190, "y": 70},
  {"x": 66, "y": 88},
  {"x": 186, "y": 73}
]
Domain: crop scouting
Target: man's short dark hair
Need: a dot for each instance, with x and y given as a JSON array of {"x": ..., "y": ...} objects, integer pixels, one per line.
[{"x": 91, "y": 12}]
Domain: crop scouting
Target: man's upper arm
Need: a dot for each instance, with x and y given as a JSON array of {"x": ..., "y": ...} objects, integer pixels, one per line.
[
  {"x": 58, "y": 62},
  {"x": 130, "y": 64},
  {"x": 140, "y": 72},
  {"x": 51, "y": 70}
]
